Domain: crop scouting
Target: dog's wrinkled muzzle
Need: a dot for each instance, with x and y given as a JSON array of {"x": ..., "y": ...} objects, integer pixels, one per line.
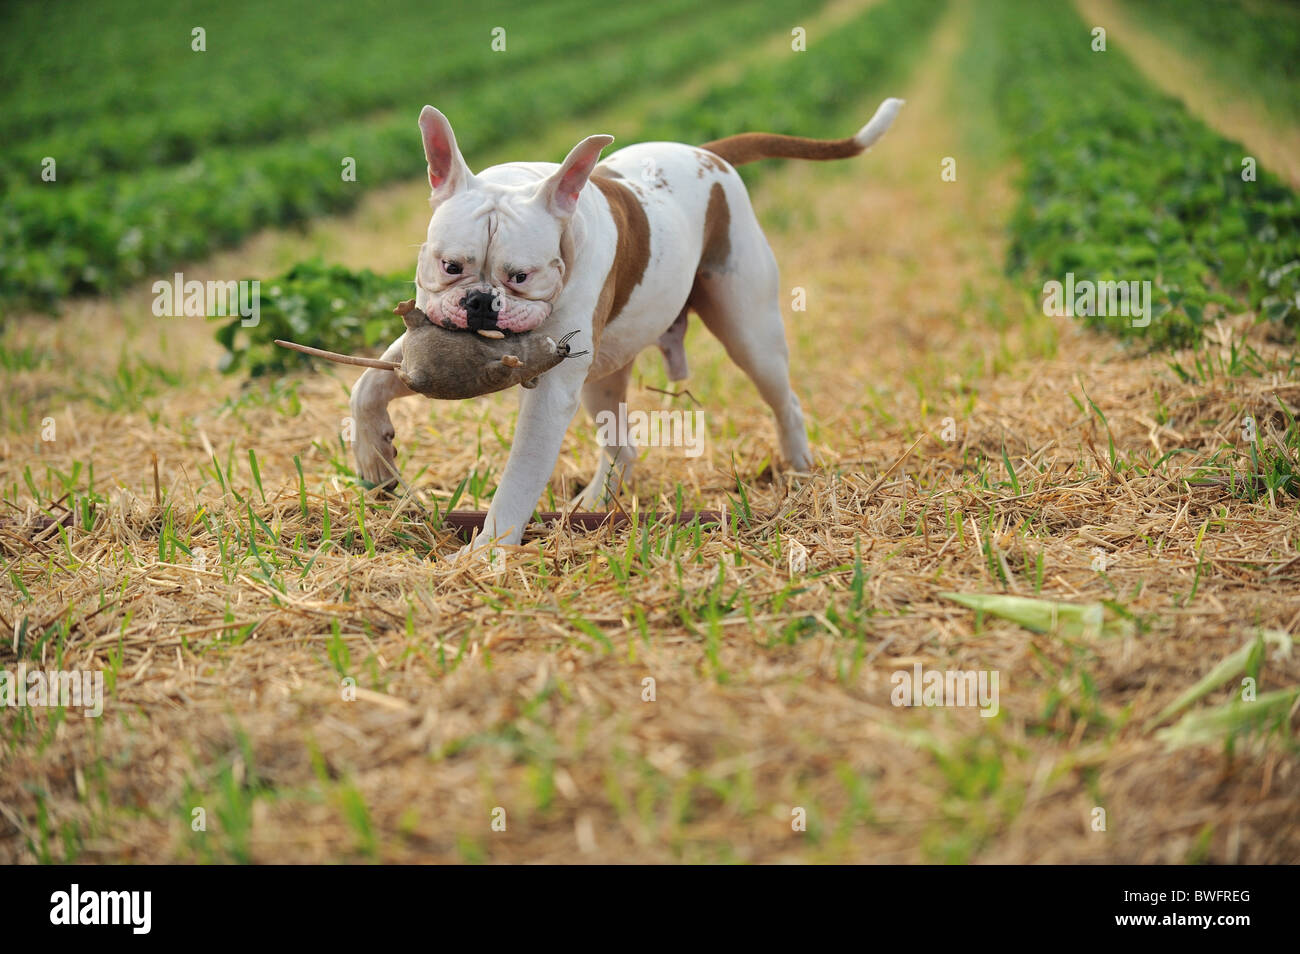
[{"x": 484, "y": 307}]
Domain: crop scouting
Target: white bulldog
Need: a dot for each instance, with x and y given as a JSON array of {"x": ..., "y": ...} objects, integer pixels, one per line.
[{"x": 619, "y": 251}]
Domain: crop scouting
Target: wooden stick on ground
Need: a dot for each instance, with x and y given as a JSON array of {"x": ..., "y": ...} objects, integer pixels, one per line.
[{"x": 465, "y": 522}]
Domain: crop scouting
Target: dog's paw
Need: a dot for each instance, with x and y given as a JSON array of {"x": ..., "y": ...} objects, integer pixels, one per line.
[
  {"x": 801, "y": 462},
  {"x": 796, "y": 453},
  {"x": 479, "y": 555},
  {"x": 375, "y": 453}
]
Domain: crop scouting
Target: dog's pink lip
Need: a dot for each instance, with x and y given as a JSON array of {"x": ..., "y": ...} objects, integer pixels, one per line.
[{"x": 433, "y": 296}]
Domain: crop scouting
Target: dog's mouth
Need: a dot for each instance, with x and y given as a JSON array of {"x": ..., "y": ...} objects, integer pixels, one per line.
[{"x": 485, "y": 309}]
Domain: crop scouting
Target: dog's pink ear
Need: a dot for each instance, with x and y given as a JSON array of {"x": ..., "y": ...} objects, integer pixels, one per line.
[
  {"x": 448, "y": 173},
  {"x": 560, "y": 192}
]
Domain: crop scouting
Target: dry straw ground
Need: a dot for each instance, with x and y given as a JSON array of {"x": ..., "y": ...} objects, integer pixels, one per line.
[{"x": 524, "y": 691}]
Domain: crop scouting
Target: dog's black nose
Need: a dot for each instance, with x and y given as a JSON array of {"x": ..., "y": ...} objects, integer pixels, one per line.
[{"x": 480, "y": 310}]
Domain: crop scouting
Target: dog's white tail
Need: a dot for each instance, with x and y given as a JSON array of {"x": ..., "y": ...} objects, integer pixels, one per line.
[{"x": 876, "y": 126}]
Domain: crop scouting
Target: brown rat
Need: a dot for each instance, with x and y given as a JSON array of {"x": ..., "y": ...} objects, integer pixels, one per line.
[{"x": 451, "y": 364}]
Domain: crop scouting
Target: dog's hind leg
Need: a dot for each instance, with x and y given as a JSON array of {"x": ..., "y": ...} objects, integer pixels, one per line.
[
  {"x": 602, "y": 399},
  {"x": 740, "y": 307}
]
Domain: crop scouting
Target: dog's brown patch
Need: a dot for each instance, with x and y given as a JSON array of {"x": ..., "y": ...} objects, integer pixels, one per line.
[
  {"x": 716, "y": 249},
  {"x": 708, "y": 163},
  {"x": 631, "y": 255}
]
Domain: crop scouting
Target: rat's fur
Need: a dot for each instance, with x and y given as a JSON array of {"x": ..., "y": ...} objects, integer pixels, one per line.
[{"x": 453, "y": 365}]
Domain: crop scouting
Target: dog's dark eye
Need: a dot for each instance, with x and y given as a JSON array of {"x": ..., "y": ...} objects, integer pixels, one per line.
[
  {"x": 452, "y": 268},
  {"x": 519, "y": 277}
]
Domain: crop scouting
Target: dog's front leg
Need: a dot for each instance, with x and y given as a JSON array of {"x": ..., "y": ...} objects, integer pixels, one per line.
[
  {"x": 544, "y": 416},
  {"x": 373, "y": 428}
]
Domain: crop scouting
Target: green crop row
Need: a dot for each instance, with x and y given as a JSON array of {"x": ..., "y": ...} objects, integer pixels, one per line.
[
  {"x": 1120, "y": 183},
  {"x": 61, "y": 64},
  {"x": 98, "y": 236},
  {"x": 824, "y": 93},
  {"x": 304, "y": 88}
]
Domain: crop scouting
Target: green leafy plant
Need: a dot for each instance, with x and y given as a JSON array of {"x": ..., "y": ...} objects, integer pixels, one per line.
[{"x": 325, "y": 306}]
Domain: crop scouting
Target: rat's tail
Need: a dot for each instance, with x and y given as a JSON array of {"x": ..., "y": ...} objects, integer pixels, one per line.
[{"x": 750, "y": 147}]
